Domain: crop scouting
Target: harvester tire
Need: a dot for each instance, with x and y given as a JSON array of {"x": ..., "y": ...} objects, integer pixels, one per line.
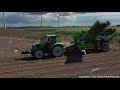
[
  {"x": 105, "y": 47},
  {"x": 38, "y": 54},
  {"x": 57, "y": 51}
]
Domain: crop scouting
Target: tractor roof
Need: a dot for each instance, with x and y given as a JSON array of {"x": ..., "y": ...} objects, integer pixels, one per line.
[{"x": 51, "y": 35}]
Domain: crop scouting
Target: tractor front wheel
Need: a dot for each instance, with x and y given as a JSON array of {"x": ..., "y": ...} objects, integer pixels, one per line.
[
  {"x": 57, "y": 51},
  {"x": 38, "y": 54}
]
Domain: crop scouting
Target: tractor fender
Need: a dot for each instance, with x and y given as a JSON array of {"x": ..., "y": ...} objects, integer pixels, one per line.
[{"x": 56, "y": 45}]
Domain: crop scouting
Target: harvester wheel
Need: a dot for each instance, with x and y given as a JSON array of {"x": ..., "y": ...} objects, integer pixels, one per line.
[
  {"x": 105, "y": 47},
  {"x": 39, "y": 54},
  {"x": 57, "y": 51}
]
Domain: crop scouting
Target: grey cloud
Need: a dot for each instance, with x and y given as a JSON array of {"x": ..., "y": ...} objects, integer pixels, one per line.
[
  {"x": 69, "y": 13},
  {"x": 17, "y": 18},
  {"x": 36, "y": 13},
  {"x": 83, "y": 12},
  {"x": 56, "y": 13},
  {"x": 64, "y": 14},
  {"x": 80, "y": 12},
  {"x": 53, "y": 13}
]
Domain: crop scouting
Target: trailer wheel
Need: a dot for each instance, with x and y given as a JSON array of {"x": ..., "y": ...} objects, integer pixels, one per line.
[
  {"x": 105, "y": 47},
  {"x": 57, "y": 51},
  {"x": 39, "y": 54}
]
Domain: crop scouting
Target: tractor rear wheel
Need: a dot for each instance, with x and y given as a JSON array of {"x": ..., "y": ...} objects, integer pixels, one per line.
[
  {"x": 39, "y": 54},
  {"x": 57, "y": 51},
  {"x": 105, "y": 47}
]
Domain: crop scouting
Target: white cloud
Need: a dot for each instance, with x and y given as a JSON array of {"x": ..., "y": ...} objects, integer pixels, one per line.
[{"x": 50, "y": 18}]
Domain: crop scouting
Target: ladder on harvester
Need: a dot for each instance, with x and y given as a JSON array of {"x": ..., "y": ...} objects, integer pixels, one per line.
[
  {"x": 95, "y": 30},
  {"x": 98, "y": 45}
]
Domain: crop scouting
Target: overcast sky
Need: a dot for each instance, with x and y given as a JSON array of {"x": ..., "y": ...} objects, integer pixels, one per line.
[{"x": 50, "y": 18}]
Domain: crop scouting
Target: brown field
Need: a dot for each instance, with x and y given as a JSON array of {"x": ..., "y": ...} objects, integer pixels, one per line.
[{"x": 15, "y": 65}]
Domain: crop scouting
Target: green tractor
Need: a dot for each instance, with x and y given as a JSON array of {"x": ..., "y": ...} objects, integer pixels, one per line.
[{"x": 49, "y": 44}]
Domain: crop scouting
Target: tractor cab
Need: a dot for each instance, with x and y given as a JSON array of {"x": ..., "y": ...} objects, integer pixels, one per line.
[{"x": 50, "y": 39}]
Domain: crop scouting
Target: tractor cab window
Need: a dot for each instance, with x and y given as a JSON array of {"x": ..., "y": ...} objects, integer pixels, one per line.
[
  {"x": 52, "y": 39},
  {"x": 44, "y": 39}
]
